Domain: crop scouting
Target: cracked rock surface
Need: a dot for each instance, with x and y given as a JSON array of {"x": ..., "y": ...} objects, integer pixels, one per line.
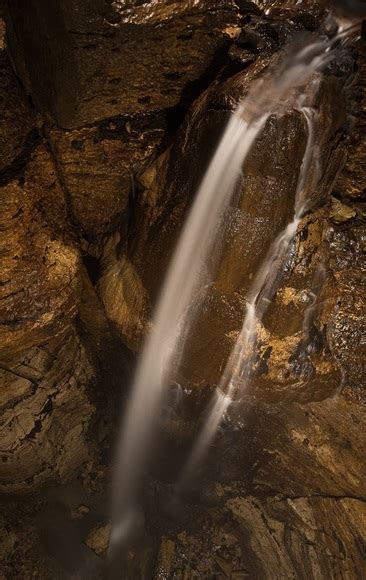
[{"x": 110, "y": 112}]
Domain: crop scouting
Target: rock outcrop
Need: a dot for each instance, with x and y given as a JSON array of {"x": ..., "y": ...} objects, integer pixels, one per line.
[
  {"x": 45, "y": 370},
  {"x": 49, "y": 357},
  {"x": 270, "y": 538}
]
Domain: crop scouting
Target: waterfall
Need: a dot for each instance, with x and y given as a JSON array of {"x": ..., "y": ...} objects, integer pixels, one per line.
[
  {"x": 212, "y": 198},
  {"x": 280, "y": 89}
]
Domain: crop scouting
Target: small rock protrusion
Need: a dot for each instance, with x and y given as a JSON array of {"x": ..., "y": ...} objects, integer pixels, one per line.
[
  {"x": 98, "y": 538},
  {"x": 341, "y": 212},
  {"x": 79, "y": 512}
]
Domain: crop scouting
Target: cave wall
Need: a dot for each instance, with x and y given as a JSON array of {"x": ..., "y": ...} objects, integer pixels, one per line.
[
  {"x": 44, "y": 367},
  {"x": 87, "y": 101},
  {"x": 110, "y": 114}
]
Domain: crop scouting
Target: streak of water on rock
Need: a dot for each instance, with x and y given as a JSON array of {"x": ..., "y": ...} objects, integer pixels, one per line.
[{"x": 237, "y": 373}]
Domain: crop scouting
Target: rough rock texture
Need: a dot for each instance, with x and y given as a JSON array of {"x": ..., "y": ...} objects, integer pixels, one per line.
[
  {"x": 300, "y": 432},
  {"x": 68, "y": 190},
  {"x": 90, "y": 57},
  {"x": 47, "y": 366},
  {"x": 99, "y": 164},
  {"x": 96, "y": 165},
  {"x": 106, "y": 76},
  {"x": 45, "y": 409},
  {"x": 270, "y": 538},
  {"x": 98, "y": 539}
]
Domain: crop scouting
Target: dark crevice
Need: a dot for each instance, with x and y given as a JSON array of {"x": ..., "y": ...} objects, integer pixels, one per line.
[
  {"x": 67, "y": 196},
  {"x": 16, "y": 169},
  {"x": 93, "y": 268},
  {"x": 19, "y": 375},
  {"x": 221, "y": 67},
  {"x": 228, "y": 60}
]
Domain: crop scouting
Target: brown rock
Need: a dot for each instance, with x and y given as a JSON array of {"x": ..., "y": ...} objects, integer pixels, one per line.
[
  {"x": 45, "y": 369},
  {"x": 97, "y": 165},
  {"x": 346, "y": 324},
  {"x": 340, "y": 212},
  {"x": 15, "y": 122},
  {"x": 316, "y": 536},
  {"x": 98, "y": 539},
  {"x": 116, "y": 58},
  {"x": 274, "y": 537},
  {"x": 352, "y": 181},
  {"x": 165, "y": 559}
]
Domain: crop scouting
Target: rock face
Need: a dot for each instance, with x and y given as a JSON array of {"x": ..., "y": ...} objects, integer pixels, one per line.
[
  {"x": 117, "y": 58},
  {"x": 97, "y": 163},
  {"x": 45, "y": 370},
  {"x": 298, "y": 435},
  {"x": 49, "y": 362},
  {"x": 67, "y": 185},
  {"x": 270, "y": 538},
  {"x": 104, "y": 142}
]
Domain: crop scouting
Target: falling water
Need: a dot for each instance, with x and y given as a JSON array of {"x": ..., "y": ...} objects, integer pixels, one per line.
[
  {"x": 237, "y": 371},
  {"x": 212, "y": 198},
  {"x": 278, "y": 90}
]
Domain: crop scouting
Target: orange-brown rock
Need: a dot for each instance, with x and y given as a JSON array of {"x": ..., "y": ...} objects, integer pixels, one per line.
[
  {"x": 117, "y": 58},
  {"x": 45, "y": 369},
  {"x": 268, "y": 538},
  {"x": 97, "y": 165}
]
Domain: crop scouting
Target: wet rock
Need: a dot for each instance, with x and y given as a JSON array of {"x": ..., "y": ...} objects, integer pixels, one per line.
[
  {"x": 293, "y": 533},
  {"x": 294, "y": 361},
  {"x": 340, "y": 212},
  {"x": 270, "y": 537},
  {"x": 309, "y": 12},
  {"x": 346, "y": 306},
  {"x": 98, "y": 538},
  {"x": 263, "y": 205},
  {"x": 289, "y": 449},
  {"x": 241, "y": 55},
  {"x": 97, "y": 166},
  {"x": 117, "y": 58},
  {"x": 288, "y": 463}
]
